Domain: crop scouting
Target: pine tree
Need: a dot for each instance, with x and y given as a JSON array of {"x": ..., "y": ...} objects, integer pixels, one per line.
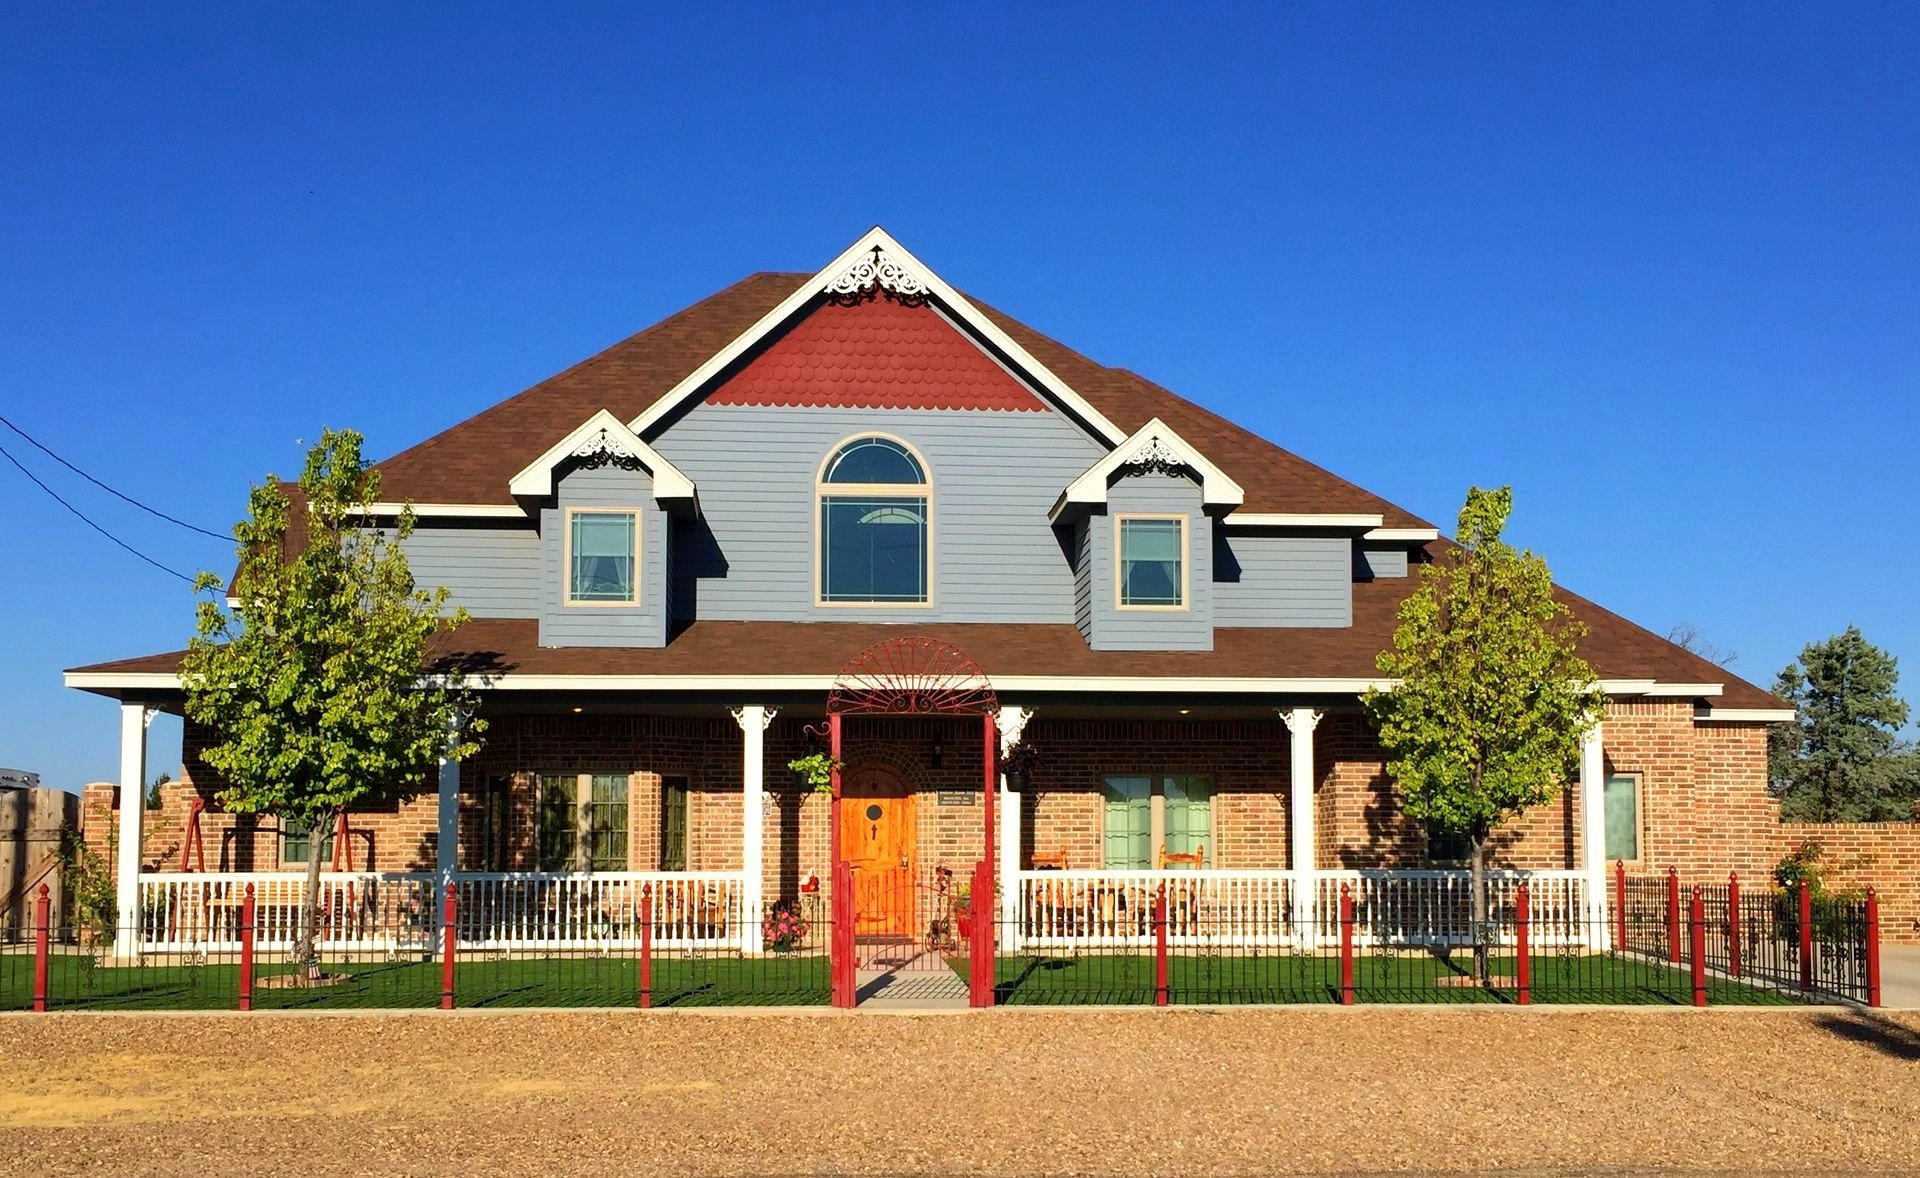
[{"x": 1842, "y": 760}]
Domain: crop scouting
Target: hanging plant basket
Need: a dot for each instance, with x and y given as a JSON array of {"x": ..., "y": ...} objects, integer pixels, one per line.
[{"x": 815, "y": 770}]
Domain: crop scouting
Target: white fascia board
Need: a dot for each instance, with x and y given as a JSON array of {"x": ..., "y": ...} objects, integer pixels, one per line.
[
  {"x": 1300, "y": 519},
  {"x": 127, "y": 680},
  {"x": 1673, "y": 690},
  {"x": 536, "y": 481},
  {"x": 1090, "y": 488},
  {"x": 1399, "y": 535},
  {"x": 452, "y": 510},
  {"x": 960, "y": 307},
  {"x": 1744, "y": 716}
]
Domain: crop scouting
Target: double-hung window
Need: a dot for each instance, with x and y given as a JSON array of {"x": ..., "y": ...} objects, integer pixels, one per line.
[
  {"x": 673, "y": 824},
  {"x": 1152, "y": 565},
  {"x": 583, "y": 822},
  {"x": 603, "y": 556},
  {"x": 875, "y": 545},
  {"x": 1149, "y": 813}
]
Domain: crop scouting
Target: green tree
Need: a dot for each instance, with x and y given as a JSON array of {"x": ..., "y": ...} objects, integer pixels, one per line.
[
  {"x": 1492, "y": 701},
  {"x": 1842, "y": 759},
  {"x": 313, "y": 685}
]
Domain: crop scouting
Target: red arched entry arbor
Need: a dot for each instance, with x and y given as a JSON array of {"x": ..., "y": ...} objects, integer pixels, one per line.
[{"x": 915, "y": 676}]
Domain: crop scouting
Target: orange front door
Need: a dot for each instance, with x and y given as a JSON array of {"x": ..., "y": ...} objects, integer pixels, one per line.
[{"x": 877, "y": 838}]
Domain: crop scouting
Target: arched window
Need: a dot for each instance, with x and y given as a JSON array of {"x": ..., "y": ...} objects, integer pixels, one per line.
[{"x": 875, "y": 548}]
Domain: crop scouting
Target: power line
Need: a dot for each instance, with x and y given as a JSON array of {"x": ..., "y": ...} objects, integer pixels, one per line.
[
  {"x": 83, "y": 519},
  {"x": 109, "y": 490}
]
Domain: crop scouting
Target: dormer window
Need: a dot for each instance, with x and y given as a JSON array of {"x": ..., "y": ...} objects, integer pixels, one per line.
[
  {"x": 875, "y": 547},
  {"x": 1152, "y": 563},
  {"x": 603, "y": 550}
]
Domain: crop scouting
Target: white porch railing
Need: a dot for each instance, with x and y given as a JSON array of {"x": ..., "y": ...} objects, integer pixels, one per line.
[
  {"x": 1214, "y": 906},
  {"x": 1253, "y": 908},
  {"x": 360, "y": 911},
  {"x": 511, "y": 910},
  {"x": 1435, "y": 906},
  {"x": 367, "y": 912}
]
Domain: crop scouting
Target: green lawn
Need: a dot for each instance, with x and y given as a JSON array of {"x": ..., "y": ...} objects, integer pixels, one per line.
[
  {"x": 1411, "y": 976},
  {"x": 76, "y": 982}
]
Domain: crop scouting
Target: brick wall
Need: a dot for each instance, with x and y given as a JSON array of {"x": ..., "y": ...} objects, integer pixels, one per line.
[{"x": 1882, "y": 855}]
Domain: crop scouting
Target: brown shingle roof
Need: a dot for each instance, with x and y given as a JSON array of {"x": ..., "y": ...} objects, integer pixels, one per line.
[
  {"x": 472, "y": 461},
  {"x": 1616, "y": 648}
]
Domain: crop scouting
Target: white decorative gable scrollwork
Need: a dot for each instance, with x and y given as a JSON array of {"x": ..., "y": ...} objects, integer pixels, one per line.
[
  {"x": 877, "y": 269},
  {"x": 1157, "y": 457},
  {"x": 604, "y": 448}
]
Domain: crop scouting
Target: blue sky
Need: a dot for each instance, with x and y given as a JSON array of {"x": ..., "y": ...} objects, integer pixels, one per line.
[{"x": 1654, "y": 266}]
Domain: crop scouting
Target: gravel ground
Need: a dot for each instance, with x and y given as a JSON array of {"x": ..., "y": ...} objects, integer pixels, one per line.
[{"x": 1185, "y": 1092}]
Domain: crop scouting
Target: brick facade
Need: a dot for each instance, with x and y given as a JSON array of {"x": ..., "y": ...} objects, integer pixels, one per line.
[{"x": 1705, "y": 807}]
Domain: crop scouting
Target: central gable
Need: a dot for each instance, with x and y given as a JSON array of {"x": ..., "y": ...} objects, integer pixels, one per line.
[{"x": 876, "y": 352}]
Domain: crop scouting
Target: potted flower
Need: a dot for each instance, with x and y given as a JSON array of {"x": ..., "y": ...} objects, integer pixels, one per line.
[
  {"x": 816, "y": 770},
  {"x": 1018, "y": 766},
  {"x": 784, "y": 929}
]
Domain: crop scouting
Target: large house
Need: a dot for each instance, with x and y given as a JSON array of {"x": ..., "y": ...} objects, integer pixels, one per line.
[{"x": 809, "y": 503}]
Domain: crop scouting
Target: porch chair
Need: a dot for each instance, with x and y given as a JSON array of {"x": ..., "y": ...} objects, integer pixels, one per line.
[{"x": 1055, "y": 899}]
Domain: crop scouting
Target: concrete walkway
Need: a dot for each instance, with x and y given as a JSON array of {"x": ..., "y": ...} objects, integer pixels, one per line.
[{"x": 1900, "y": 977}]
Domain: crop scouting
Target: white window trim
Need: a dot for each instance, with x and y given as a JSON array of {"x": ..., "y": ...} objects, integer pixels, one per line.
[
  {"x": 1119, "y": 564},
  {"x": 567, "y": 599},
  {"x": 822, "y": 489}
]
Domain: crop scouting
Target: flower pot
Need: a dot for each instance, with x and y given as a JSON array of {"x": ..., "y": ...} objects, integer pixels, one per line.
[{"x": 965, "y": 921}]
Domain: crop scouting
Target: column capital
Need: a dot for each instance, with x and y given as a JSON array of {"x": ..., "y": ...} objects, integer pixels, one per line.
[
  {"x": 1300, "y": 721},
  {"x": 1012, "y": 723},
  {"x": 766, "y": 715}
]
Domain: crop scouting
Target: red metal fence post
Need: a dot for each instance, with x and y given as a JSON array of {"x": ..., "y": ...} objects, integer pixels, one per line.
[
  {"x": 646, "y": 947},
  {"x": 842, "y": 965},
  {"x": 1160, "y": 946},
  {"x": 1806, "y": 936},
  {"x": 1673, "y": 915},
  {"x": 1620, "y": 904},
  {"x": 448, "y": 941},
  {"x": 42, "y": 917},
  {"x": 1523, "y": 965},
  {"x": 1346, "y": 945},
  {"x": 1873, "y": 948},
  {"x": 1697, "y": 917},
  {"x": 1733, "y": 923},
  {"x": 248, "y": 907},
  {"x": 980, "y": 900}
]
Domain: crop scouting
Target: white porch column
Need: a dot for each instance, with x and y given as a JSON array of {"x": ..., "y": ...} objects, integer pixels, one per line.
[
  {"x": 753, "y": 720},
  {"x": 1012, "y": 723},
  {"x": 1300, "y": 723},
  {"x": 1593, "y": 831},
  {"x": 134, "y": 719},
  {"x": 446, "y": 843}
]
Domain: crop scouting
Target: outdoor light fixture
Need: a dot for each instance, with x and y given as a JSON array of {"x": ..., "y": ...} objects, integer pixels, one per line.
[
  {"x": 578, "y": 708},
  {"x": 1183, "y": 711},
  {"x": 939, "y": 750}
]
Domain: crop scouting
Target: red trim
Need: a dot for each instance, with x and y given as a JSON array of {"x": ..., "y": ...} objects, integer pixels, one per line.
[
  {"x": 1806, "y": 936},
  {"x": 646, "y": 946},
  {"x": 1697, "y": 917},
  {"x": 1523, "y": 923},
  {"x": 1733, "y": 923},
  {"x": 247, "y": 919},
  {"x": 42, "y": 951},
  {"x": 876, "y": 354},
  {"x": 447, "y": 950},
  {"x": 1160, "y": 946},
  {"x": 1346, "y": 945},
  {"x": 1673, "y": 915},
  {"x": 1873, "y": 947}
]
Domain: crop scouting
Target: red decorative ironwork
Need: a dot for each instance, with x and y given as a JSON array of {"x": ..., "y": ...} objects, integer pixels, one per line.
[{"x": 912, "y": 677}]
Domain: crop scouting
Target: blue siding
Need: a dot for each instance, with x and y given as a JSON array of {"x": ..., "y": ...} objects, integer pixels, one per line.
[
  {"x": 1124, "y": 629},
  {"x": 493, "y": 571},
  {"x": 1266, "y": 579},
  {"x": 995, "y": 475},
  {"x": 1082, "y": 541},
  {"x": 643, "y": 624},
  {"x": 1373, "y": 562}
]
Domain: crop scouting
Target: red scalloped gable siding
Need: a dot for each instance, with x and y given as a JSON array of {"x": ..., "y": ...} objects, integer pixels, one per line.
[{"x": 876, "y": 355}]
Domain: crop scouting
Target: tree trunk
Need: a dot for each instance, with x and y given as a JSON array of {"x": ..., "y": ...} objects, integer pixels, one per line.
[
  {"x": 306, "y": 956},
  {"x": 1477, "y": 881}
]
